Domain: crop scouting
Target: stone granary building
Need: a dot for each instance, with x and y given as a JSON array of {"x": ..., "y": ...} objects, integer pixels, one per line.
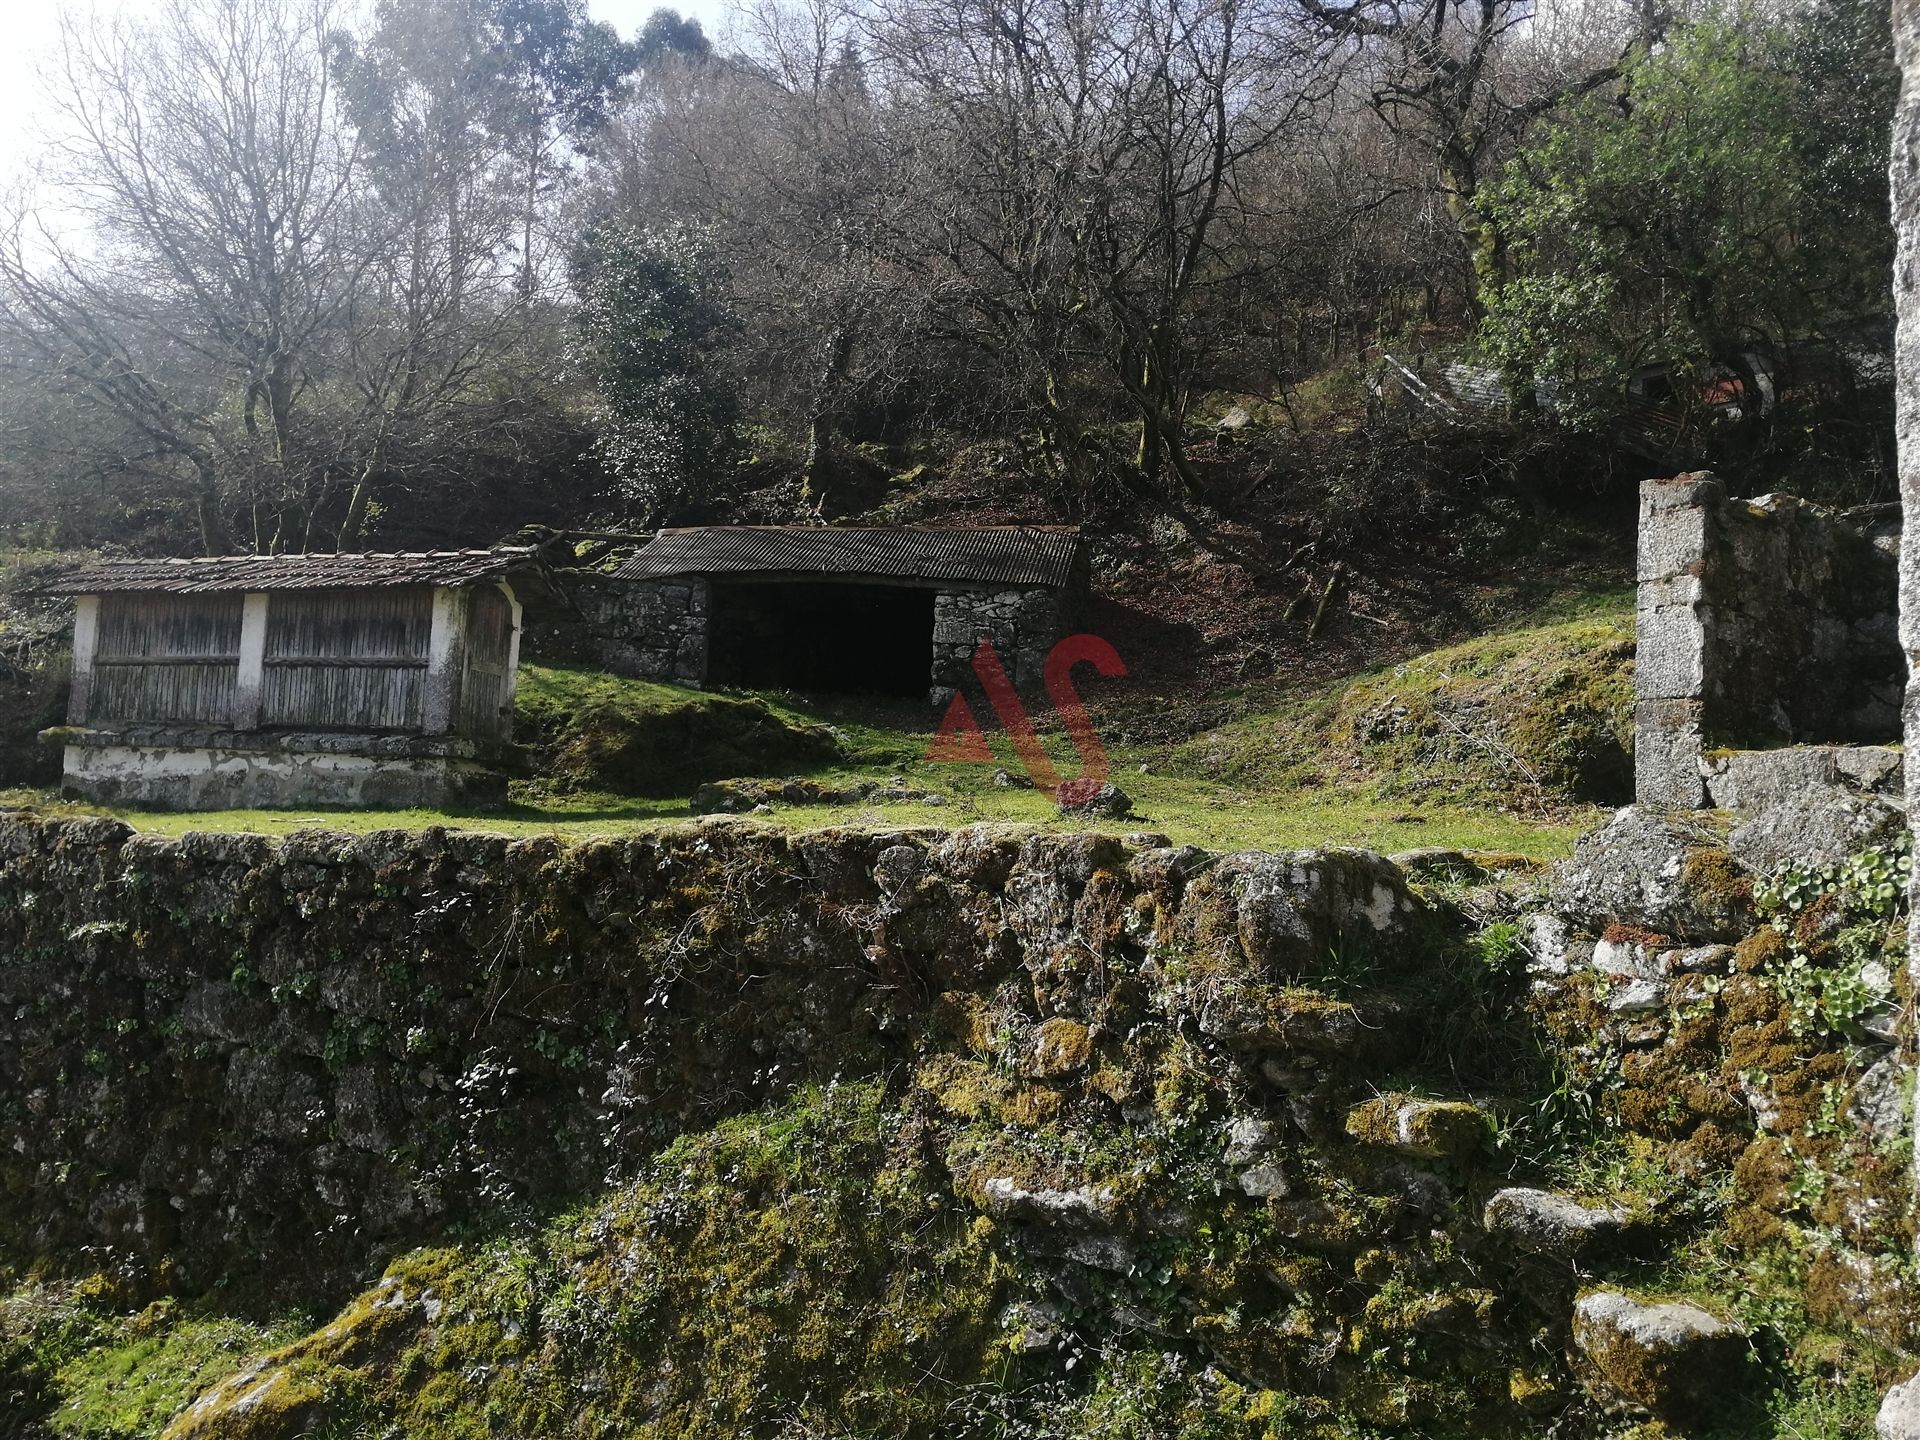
[
  {"x": 895, "y": 609},
  {"x": 1769, "y": 659},
  {"x": 264, "y": 680}
]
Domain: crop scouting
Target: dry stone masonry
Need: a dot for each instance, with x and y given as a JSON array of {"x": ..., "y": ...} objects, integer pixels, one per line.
[
  {"x": 1022, "y": 626},
  {"x": 219, "y": 1051},
  {"x": 223, "y": 1053},
  {"x": 1768, "y": 656},
  {"x": 647, "y": 629}
]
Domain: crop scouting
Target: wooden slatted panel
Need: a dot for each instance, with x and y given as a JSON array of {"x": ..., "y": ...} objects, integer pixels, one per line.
[
  {"x": 166, "y": 658},
  {"x": 346, "y": 659},
  {"x": 483, "y": 686}
]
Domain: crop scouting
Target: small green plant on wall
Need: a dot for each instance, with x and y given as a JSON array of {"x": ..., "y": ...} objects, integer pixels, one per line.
[{"x": 1843, "y": 940}]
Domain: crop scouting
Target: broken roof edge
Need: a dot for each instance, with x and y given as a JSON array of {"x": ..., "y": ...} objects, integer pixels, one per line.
[{"x": 351, "y": 570}]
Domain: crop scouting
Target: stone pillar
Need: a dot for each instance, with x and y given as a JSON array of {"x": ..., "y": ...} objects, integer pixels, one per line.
[
  {"x": 1673, "y": 623},
  {"x": 1905, "y": 178},
  {"x": 446, "y": 659},
  {"x": 86, "y": 639},
  {"x": 251, "y": 680},
  {"x": 1905, "y": 175}
]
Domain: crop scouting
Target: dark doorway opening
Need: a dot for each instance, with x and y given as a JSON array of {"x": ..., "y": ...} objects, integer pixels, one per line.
[{"x": 821, "y": 636}]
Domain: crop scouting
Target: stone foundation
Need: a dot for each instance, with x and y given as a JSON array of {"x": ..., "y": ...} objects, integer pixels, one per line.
[
  {"x": 1753, "y": 781},
  {"x": 232, "y": 770}
]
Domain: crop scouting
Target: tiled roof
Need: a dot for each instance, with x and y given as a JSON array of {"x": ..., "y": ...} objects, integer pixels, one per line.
[
  {"x": 1040, "y": 555},
  {"x": 292, "y": 572}
]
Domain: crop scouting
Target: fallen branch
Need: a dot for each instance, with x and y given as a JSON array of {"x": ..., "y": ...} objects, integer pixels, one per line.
[{"x": 1326, "y": 597}]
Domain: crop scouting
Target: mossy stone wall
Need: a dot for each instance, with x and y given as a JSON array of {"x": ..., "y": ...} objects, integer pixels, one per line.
[{"x": 220, "y": 1052}]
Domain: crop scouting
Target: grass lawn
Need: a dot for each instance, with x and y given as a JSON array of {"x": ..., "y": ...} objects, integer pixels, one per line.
[
  {"x": 1176, "y": 809},
  {"x": 1188, "y": 809}
]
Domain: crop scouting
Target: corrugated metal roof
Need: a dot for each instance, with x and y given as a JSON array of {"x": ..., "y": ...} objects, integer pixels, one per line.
[
  {"x": 292, "y": 572},
  {"x": 1457, "y": 389},
  {"x": 1041, "y": 555}
]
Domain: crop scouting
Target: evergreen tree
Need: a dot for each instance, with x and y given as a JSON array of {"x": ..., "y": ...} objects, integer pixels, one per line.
[{"x": 653, "y": 320}]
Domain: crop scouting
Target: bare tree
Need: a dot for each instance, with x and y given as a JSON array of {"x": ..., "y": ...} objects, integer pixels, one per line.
[
  {"x": 205, "y": 249},
  {"x": 1092, "y": 162},
  {"x": 780, "y": 155},
  {"x": 301, "y": 303},
  {"x": 1463, "y": 79}
]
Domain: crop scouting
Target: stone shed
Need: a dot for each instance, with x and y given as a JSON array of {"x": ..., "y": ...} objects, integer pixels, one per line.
[
  {"x": 273, "y": 680},
  {"x": 893, "y": 609},
  {"x": 1768, "y": 652}
]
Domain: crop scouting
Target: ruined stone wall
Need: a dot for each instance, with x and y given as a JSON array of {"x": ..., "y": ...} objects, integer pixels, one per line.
[
  {"x": 1761, "y": 623},
  {"x": 1754, "y": 1036},
  {"x": 223, "y": 1053},
  {"x": 1022, "y": 624},
  {"x": 647, "y": 629},
  {"x": 1900, "y": 1418}
]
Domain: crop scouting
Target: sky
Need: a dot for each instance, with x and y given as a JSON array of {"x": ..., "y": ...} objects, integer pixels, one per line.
[{"x": 32, "y": 29}]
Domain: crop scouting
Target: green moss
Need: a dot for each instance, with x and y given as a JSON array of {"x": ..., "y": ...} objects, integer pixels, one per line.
[
  {"x": 1541, "y": 715},
  {"x": 968, "y": 1090},
  {"x": 1060, "y": 1047},
  {"x": 133, "y": 1387},
  {"x": 785, "y": 1267},
  {"x": 91, "y": 1361},
  {"x": 1721, "y": 887},
  {"x": 1433, "y": 1129},
  {"x": 600, "y": 732}
]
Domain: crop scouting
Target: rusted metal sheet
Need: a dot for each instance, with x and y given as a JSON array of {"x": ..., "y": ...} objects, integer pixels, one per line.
[
  {"x": 1008, "y": 555},
  {"x": 171, "y": 658},
  {"x": 347, "y": 659},
  {"x": 293, "y": 572}
]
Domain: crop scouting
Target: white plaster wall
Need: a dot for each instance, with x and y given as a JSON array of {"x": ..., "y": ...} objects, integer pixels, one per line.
[{"x": 210, "y": 779}]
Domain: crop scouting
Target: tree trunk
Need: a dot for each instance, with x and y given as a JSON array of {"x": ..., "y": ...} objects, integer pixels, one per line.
[
  {"x": 818, "y": 469},
  {"x": 1151, "y": 450},
  {"x": 206, "y": 505},
  {"x": 1486, "y": 246},
  {"x": 1152, "y": 447},
  {"x": 352, "y": 528},
  {"x": 526, "y": 217},
  {"x": 1162, "y": 425}
]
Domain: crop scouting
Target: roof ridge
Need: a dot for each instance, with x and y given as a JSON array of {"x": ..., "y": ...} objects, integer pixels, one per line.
[
  {"x": 824, "y": 530},
  {"x": 318, "y": 570},
  {"x": 1007, "y": 555},
  {"x": 314, "y": 556}
]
